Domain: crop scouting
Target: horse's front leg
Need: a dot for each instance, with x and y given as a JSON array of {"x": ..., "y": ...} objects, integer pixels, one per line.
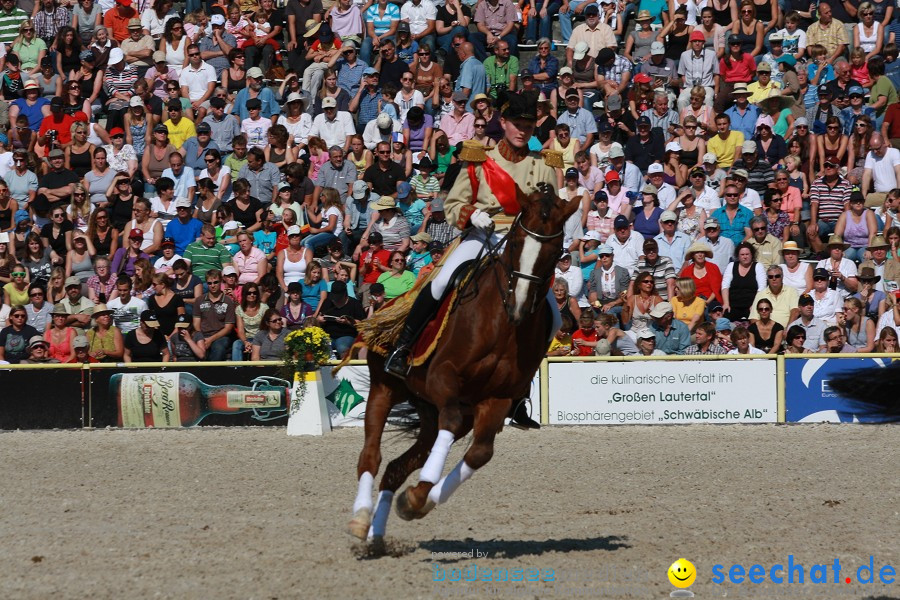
[{"x": 488, "y": 421}]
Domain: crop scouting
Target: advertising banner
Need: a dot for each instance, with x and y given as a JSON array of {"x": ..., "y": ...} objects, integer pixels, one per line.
[
  {"x": 622, "y": 393},
  {"x": 42, "y": 399},
  {"x": 809, "y": 398}
]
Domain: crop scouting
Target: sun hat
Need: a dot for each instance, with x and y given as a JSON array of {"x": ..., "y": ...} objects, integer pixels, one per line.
[
  {"x": 100, "y": 310},
  {"x": 58, "y": 309},
  {"x": 837, "y": 240},
  {"x": 383, "y": 203},
  {"x": 592, "y": 235},
  {"x": 649, "y": 189},
  {"x": 696, "y": 247},
  {"x": 741, "y": 88},
  {"x": 790, "y": 246},
  {"x": 878, "y": 242},
  {"x": 422, "y": 237},
  {"x": 37, "y": 340},
  {"x": 868, "y": 274},
  {"x": 723, "y": 324},
  {"x": 644, "y": 15}
]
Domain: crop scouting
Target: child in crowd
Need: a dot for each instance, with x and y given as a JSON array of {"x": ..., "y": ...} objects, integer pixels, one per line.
[
  {"x": 818, "y": 70},
  {"x": 858, "y": 69},
  {"x": 584, "y": 340},
  {"x": 318, "y": 155},
  {"x": 238, "y": 158},
  {"x": 164, "y": 263},
  {"x": 424, "y": 183},
  {"x": 793, "y": 38},
  {"x": 419, "y": 256},
  {"x": 376, "y": 298},
  {"x": 796, "y": 177},
  {"x": 561, "y": 345}
]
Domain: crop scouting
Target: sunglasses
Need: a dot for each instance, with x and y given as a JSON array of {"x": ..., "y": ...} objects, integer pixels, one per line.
[
  {"x": 273, "y": 321},
  {"x": 33, "y": 295},
  {"x": 758, "y": 228},
  {"x": 193, "y": 55},
  {"x": 17, "y": 274},
  {"x": 732, "y": 195},
  {"x": 776, "y": 276}
]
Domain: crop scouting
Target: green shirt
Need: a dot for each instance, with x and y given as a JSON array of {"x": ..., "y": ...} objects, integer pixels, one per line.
[
  {"x": 28, "y": 53},
  {"x": 203, "y": 259},
  {"x": 499, "y": 75},
  {"x": 883, "y": 87},
  {"x": 9, "y": 24},
  {"x": 235, "y": 164},
  {"x": 396, "y": 285}
]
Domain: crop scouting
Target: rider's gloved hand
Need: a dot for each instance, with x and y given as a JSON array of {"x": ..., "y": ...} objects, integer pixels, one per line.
[{"x": 481, "y": 220}]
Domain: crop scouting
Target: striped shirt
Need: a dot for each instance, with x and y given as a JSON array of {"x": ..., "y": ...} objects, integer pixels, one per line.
[
  {"x": 203, "y": 259},
  {"x": 9, "y": 24},
  {"x": 121, "y": 82},
  {"x": 382, "y": 24},
  {"x": 425, "y": 188},
  {"x": 662, "y": 270},
  {"x": 832, "y": 200},
  {"x": 47, "y": 25}
]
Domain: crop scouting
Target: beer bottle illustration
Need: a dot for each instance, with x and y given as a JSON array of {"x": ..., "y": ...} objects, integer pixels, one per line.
[{"x": 182, "y": 400}]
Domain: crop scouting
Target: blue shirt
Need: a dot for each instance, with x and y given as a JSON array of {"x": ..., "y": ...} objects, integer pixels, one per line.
[
  {"x": 473, "y": 77},
  {"x": 368, "y": 107},
  {"x": 311, "y": 293},
  {"x": 848, "y": 118},
  {"x": 266, "y": 96},
  {"x": 33, "y": 112},
  {"x": 745, "y": 123},
  {"x": 413, "y": 213},
  {"x": 678, "y": 339},
  {"x": 183, "y": 183},
  {"x": 265, "y": 241},
  {"x": 675, "y": 249},
  {"x": 581, "y": 123},
  {"x": 382, "y": 24},
  {"x": 191, "y": 159},
  {"x": 183, "y": 233},
  {"x": 733, "y": 230},
  {"x": 349, "y": 77}
]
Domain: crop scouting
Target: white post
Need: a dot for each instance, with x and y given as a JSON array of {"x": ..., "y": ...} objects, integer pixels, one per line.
[{"x": 311, "y": 417}]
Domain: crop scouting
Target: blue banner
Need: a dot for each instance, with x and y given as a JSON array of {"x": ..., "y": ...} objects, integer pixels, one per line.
[{"x": 809, "y": 398}]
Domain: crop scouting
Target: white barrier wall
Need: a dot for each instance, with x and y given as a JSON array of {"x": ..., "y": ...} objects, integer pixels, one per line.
[{"x": 619, "y": 393}]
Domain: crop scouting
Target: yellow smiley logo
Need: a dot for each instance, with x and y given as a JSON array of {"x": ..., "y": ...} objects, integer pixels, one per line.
[{"x": 682, "y": 573}]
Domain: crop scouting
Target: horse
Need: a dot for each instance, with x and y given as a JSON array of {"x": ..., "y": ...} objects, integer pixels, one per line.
[{"x": 486, "y": 359}]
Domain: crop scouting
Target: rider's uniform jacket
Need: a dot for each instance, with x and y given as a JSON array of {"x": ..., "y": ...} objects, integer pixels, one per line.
[{"x": 498, "y": 179}]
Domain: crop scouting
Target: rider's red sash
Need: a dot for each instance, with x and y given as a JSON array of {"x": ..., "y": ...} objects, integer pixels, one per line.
[{"x": 501, "y": 184}]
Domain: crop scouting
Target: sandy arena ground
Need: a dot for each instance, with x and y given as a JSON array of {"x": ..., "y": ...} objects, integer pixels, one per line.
[{"x": 251, "y": 513}]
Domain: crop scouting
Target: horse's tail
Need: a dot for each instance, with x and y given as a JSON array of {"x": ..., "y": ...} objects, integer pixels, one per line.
[
  {"x": 407, "y": 417},
  {"x": 871, "y": 393}
]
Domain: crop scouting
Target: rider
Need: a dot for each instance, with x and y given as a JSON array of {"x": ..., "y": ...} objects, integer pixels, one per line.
[{"x": 483, "y": 202}]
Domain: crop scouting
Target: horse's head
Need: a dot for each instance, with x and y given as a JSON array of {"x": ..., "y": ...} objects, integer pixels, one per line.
[{"x": 534, "y": 248}]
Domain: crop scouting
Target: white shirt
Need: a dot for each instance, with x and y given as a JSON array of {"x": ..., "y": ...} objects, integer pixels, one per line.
[
  {"x": 372, "y": 135},
  {"x": 127, "y": 316},
  {"x": 197, "y": 80},
  {"x": 333, "y": 132},
  {"x": 797, "y": 279},
  {"x": 626, "y": 255},
  {"x": 723, "y": 252},
  {"x": 418, "y": 16},
  {"x": 750, "y": 350},
  {"x": 6, "y": 161},
  {"x": 884, "y": 179},
  {"x": 417, "y": 99},
  {"x": 886, "y": 320},
  {"x": 257, "y": 132},
  {"x": 751, "y": 200},
  {"x": 847, "y": 268},
  {"x": 164, "y": 264},
  {"x": 708, "y": 199},
  {"x": 666, "y": 194},
  {"x": 576, "y": 283},
  {"x": 299, "y": 130},
  {"x": 827, "y": 306}
]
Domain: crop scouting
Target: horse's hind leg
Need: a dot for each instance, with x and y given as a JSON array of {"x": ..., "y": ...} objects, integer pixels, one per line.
[
  {"x": 488, "y": 421},
  {"x": 381, "y": 399}
]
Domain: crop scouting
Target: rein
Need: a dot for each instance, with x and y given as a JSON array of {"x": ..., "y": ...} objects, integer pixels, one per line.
[{"x": 493, "y": 254}]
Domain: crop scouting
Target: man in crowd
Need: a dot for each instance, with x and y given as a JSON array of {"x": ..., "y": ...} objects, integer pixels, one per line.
[
  {"x": 333, "y": 125},
  {"x": 472, "y": 78},
  {"x": 215, "y": 46},
  {"x": 726, "y": 144},
  {"x": 182, "y": 178},
  {"x": 743, "y": 115},
  {"x": 223, "y": 127},
  {"x": 262, "y": 176},
  {"x": 59, "y": 182},
  {"x": 337, "y": 173},
  {"x": 766, "y": 245},
  {"x": 126, "y": 308},
  {"x": 384, "y": 174},
  {"x": 580, "y": 120},
  {"x": 646, "y": 147},
  {"x": 502, "y": 71},
  {"x": 672, "y": 336},
  {"x": 660, "y": 267},
  {"x": 828, "y": 196},
  {"x": 828, "y": 32},
  {"x": 198, "y": 81},
  {"x": 76, "y": 306},
  {"x": 495, "y": 20},
  {"x": 672, "y": 243},
  {"x": 698, "y": 66},
  {"x": 627, "y": 244},
  {"x": 205, "y": 254},
  {"x": 255, "y": 89},
  {"x": 814, "y": 327},
  {"x": 704, "y": 341},
  {"x": 783, "y": 298},
  {"x": 458, "y": 124},
  {"x": 722, "y": 247},
  {"x": 184, "y": 229},
  {"x": 138, "y": 48},
  {"x": 215, "y": 317},
  {"x": 594, "y": 31},
  {"x": 881, "y": 172},
  {"x": 733, "y": 219},
  {"x": 760, "y": 176}
]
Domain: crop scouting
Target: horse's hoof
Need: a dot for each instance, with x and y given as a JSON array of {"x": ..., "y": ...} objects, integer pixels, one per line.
[
  {"x": 377, "y": 545},
  {"x": 359, "y": 525},
  {"x": 405, "y": 510}
]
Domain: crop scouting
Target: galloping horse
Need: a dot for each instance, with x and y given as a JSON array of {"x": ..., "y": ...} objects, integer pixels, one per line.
[{"x": 485, "y": 360}]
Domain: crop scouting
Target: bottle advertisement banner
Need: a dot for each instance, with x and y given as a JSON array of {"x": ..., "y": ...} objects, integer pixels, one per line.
[
  {"x": 622, "y": 393},
  {"x": 809, "y": 398}
]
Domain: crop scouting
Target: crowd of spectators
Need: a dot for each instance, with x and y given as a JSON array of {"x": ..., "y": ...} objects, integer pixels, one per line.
[{"x": 194, "y": 184}]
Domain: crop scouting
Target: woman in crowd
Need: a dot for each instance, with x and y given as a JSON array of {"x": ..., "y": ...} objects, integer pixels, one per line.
[
  {"x": 101, "y": 46},
  {"x": 86, "y": 16},
  {"x": 57, "y": 235},
  {"x": 102, "y": 284},
  {"x": 246, "y": 209},
  {"x": 573, "y": 192},
  {"x": 859, "y": 148},
  {"x": 874, "y": 300},
  {"x": 690, "y": 216},
  {"x": 38, "y": 309},
  {"x": 234, "y": 77},
  {"x": 208, "y": 201},
  {"x": 29, "y": 48},
  {"x": 174, "y": 43},
  {"x": 143, "y": 279},
  {"x": 887, "y": 341},
  {"x": 249, "y": 261},
  {"x": 105, "y": 341},
  {"x": 702, "y": 119},
  {"x": 98, "y": 180},
  {"x": 37, "y": 259},
  {"x": 324, "y": 228},
  {"x": 221, "y": 177},
  {"x": 56, "y": 290},
  {"x": 165, "y": 303},
  {"x": 794, "y": 340},
  {"x": 748, "y": 29},
  {"x": 398, "y": 280},
  {"x": 418, "y": 130},
  {"x": 137, "y": 130},
  {"x": 79, "y": 209},
  {"x": 153, "y": 18},
  {"x": 126, "y": 256},
  {"x": 646, "y": 220},
  {"x": 692, "y": 144},
  {"x": 17, "y": 289},
  {"x": 89, "y": 78},
  {"x": 737, "y": 66},
  {"x": 296, "y": 120},
  {"x": 249, "y": 313},
  {"x": 859, "y": 329},
  {"x": 689, "y": 307},
  {"x": 48, "y": 80},
  {"x": 120, "y": 205},
  {"x": 186, "y": 344},
  {"x": 74, "y": 102},
  {"x": 544, "y": 68},
  {"x": 186, "y": 285},
  {"x": 778, "y": 222},
  {"x": 766, "y": 333},
  {"x": 121, "y": 157},
  {"x": 268, "y": 342},
  {"x": 676, "y": 34},
  {"x": 770, "y": 146},
  {"x": 78, "y": 260},
  {"x": 857, "y": 226},
  {"x": 741, "y": 339},
  {"x": 295, "y": 311},
  {"x": 277, "y": 151},
  {"x": 741, "y": 281},
  {"x": 480, "y": 136},
  {"x": 827, "y": 301},
  {"x": 566, "y": 304},
  {"x": 156, "y": 156},
  {"x": 314, "y": 286},
  {"x": 146, "y": 343},
  {"x": 641, "y": 299},
  {"x": 7, "y": 259},
  {"x": 78, "y": 153},
  {"x": 646, "y": 344},
  {"x": 359, "y": 156},
  {"x": 832, "y": 145},
  {"x": 705, "y": 274},
  {"x": 59, "y": 335},
  {"x": 292, "y": 262},
  {"x": 797, "y": 275},
  {"x": 637, "y": 44}
]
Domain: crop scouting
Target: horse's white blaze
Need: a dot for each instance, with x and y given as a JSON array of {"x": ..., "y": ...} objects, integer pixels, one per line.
[{"x": 530, "y": 250}]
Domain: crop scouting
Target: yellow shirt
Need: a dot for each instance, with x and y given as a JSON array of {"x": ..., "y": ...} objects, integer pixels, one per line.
[
  {"x": 782, "y": 304},
  {"x": 565, "y": 342},
  {"x": 760, "y": 93},
  {"x": 725, "y": 149},
  {"x": 179, "y": 133},
  {"x": 686, "y": 313}
]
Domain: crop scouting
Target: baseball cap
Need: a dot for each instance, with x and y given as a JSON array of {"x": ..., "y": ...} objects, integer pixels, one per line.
[
  {"x": 203, "y": 127},
  {"x": 116, "y": 56},
  {"x": 710, "y": 158},
  {"x": 149, "y": 317},
  {"x": 339, "y": 288},
  {"x": 167, "y": 241},
  {"x": 329, "y": 102},
  {"x": 581, "y": 49},
  {"x": 621, "y": 222},
  {"x": 806, "y": 300},
  {"x": 158, "y": 56},
  {"x": 616, "y": 151},
  {"x": 668, "y": 217},
  {"x": 711, "y": 223},
  {"x": 571, "y": 172},
  {"x": 255, "y": 73},
  {"x": 217, "y": 20},
  {"x": 776, "y": 37},
  {"x": 56, "y": 153},
  {"x": 422, "y": 237},
  {"x": 293, "y": 230},
  {"x": 567, "y": 71},
  {"x": 742, "y": 173},
  {"x": 856, "y": 91},
  {"x": 764, "y": 66},
  {"x": 72, "y": 282},
  {"x": 723, "y": 324},
  {"x": 697, "y": 36},
  {"x": 824, "y": 89},
  {"x": 673, "y": 147},
  {"x": 360, "y": 190},
  {"x": 613, "y": 102},
  {"x": 655, "y": 168},
  {"x": 661, "y": 310},
  {"x": 749, "y": 147},
  {"x": 37, "y": 340},
  {"x": 643, "y": 120},
  {"x": 229, "y": 270},
  {"x": 384, "y": 121},
  {"x": 256, "y": 104},
  {"x": 284, "y": 185},
  {"x": 403, "y": 190},
  {"x": 135, "y": 234},
  {"x": 370, "y": 71},
  {"x": 657, "y": 48},
  {"x": 821, "y": 273},
  {"x": 135, "y": 102},
  {"x": 182, "y": 322},
  {"x": 182, "y": 203},
  {"x": 81, "y": 341},
  {"x": 612, "y": 176},
  {"x": 592, "y": 235},
  {"x": 592, "y": 9}
]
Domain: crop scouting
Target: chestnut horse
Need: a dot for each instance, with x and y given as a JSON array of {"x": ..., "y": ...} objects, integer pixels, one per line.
[{"x": 486, "y": 359}]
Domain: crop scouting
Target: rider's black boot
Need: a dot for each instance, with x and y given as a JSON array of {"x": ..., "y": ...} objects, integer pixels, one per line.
[
  {"x": 422, "y": 311},
  {"x": 519, "y": 418}
]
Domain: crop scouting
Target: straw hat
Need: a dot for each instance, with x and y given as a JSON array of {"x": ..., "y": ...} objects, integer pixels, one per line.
[
  {"x": 790, "y": 246},
  {"x": 878, "y": 242},
  {"x": 644, "y": 15},
  {"x": 383, "y": 203},
  {"x": 698, "y": 247},
  {"x": 836, "y": 240},
  {"x": 100, "y": 310},
  {"x": 58, "y": 309}
]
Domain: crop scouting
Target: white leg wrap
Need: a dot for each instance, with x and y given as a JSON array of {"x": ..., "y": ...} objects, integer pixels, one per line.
[
  {"x": 364, "y": 492},
  {"x": 442, "y": 491},
  {"x": 434, "y": 466},
  {"x": 382, "y": 511}
]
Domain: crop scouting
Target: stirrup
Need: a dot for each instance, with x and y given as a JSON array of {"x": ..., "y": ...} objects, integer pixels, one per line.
[
  {"x": 397, "y": 364},
  {"x": 519, "y": 417}
]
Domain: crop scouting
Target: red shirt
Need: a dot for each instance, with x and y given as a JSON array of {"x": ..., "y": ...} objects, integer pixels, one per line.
[
  {"x": 370, "y": 272},
  {"x": 742, "y": 70},
  {"x": 588, "y": 336},
  {"x": 63, "y": 127},
  {"x": 710, "y": 286}
]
